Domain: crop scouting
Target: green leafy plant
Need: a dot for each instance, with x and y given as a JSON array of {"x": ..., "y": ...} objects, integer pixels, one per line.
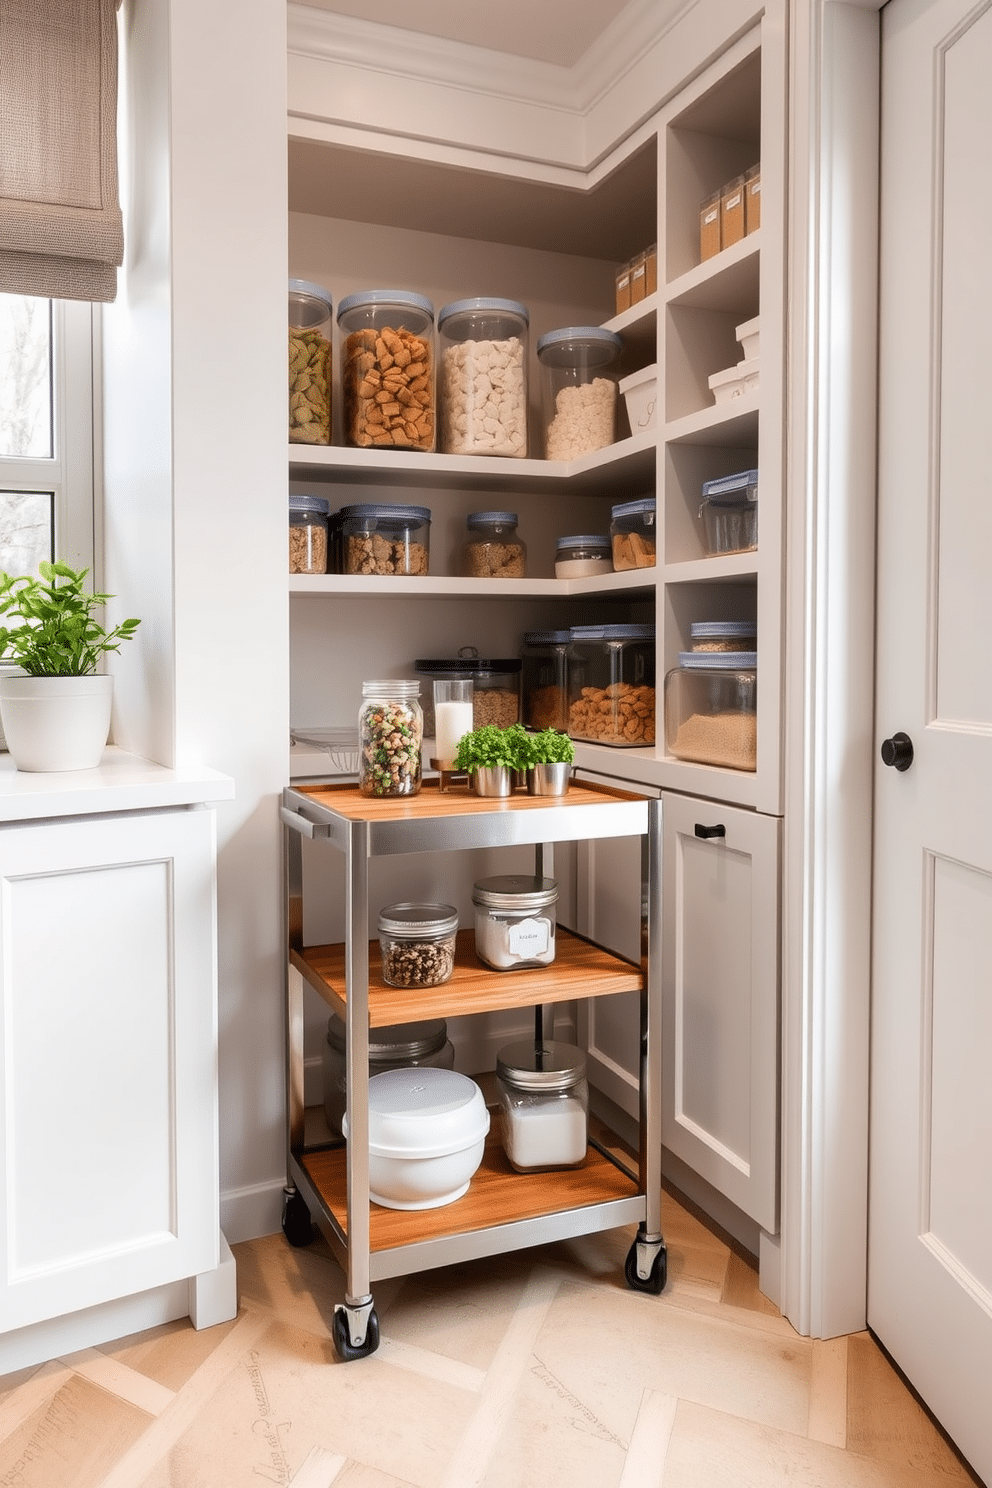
[
  {"x": 57, "y": 634},
  {"x": 491, "y": 746},
  {"x": 549, "y": 747}
]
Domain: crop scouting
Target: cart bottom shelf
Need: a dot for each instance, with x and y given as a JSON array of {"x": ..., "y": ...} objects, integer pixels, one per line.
[{"x": 497, "y": 1196}]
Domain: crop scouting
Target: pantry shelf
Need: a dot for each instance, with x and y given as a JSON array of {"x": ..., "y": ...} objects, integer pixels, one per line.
[
  {"x": 630, "y": 583},
  {"x": 726, "y": 282},
  {"x": 733, "y": 424}
]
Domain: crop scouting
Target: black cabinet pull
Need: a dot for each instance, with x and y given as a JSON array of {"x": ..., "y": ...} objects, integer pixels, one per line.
[
  {"x": 897, "y": 752},
  {"x": 718, "y": 831}
]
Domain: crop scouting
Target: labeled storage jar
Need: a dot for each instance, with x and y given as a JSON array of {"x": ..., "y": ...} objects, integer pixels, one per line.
[
  {"x": 398, "y": 1046},
  {"x": 390, "y": 737},
  {"x": 544, "y": 677},
  {"x": 493, "y": 549},
  {"x": 543, "y": 1105},
  {"x": 723, "y": 635},
  {"x": 310, "y": 314},
  {"x": 632, "y": 531},
  {"x": 417, "y": 944},
  {"x": 582, "y": 556},
  {"x": 729, "y": 513},
  {"x": 378, "y": 539},
  {"x": 611, "y": 687},
  {"x": 482, "y": 381},
  {"x": 579, "y": 396},
  {"x": 308, "y": 521},
  {"x": 711, "y": 709},
  {"x": 515, "y": 920},
  {"x": 387, "y": 370}
]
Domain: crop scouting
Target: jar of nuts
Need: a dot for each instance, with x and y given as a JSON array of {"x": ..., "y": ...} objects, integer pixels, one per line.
[
  {"x": 390, "y": 738},
  {"x": 492, "y": 549},
  {"x": 310, "y": 311},
  {"x": 378, "y": 538},
  {"x": 308, "y": 518},
  {"x": 387, "y": 368},
  {"x": 611, "y": 690},
  {"x": 417, "y": 943}
]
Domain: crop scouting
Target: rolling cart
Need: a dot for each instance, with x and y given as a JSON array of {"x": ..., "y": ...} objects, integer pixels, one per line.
[{"x": 503, "y": 1210}]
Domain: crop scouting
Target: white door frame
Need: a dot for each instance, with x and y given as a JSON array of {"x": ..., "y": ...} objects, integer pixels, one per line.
[{"x": 834, "y": 70}]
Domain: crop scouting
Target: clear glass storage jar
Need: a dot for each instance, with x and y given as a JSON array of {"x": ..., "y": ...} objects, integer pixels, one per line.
[
  {"x": 398, "y": 1046},
  {"x": 729, "y": 513},
  {"x": 515, "y": 920},
  {"x": 310, "y": 317},
  {"x": 378, "y": 538},
  {"x": 482, "y": 378},
  {"x": 496, "y": 691},
  {"x": 435, "y": 669},
  {"x": 611, "y": 691},
  {"x": 632, "y": 532},
  {"x": 543, "y": 1105},
  {"x": 308, "y": 538},
  {"x": 417, "y": 944},
  {"x": 578, "y": 557},
  {"x": 493, "y": 549},
  {"x": 711, "y": 709},
  {"x": 387, "y": 369},
  {"x": 544, "y": 677},
  {"x": 579, "y": 367},
  {"x": 723, "y": 635},
  {"x": 390, "y": 737}
]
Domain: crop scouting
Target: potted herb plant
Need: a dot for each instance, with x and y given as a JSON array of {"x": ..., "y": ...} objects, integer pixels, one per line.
[
  {"x": 491, "y": 754},
  {"x": 55, "y": 710},
  {"x": 550, "y": 756}
]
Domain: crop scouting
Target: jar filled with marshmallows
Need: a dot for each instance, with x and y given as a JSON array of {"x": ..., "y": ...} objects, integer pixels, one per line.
[
  {"x": 482, "y": 377},
  {"x": 579, "y": 365}
]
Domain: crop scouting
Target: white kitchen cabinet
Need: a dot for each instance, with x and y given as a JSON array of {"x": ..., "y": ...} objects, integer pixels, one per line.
[{"x": 108, "y": 1044}]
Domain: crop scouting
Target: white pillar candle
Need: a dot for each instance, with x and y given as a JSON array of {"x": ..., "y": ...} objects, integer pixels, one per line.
[{"x": 451, "y": 721}]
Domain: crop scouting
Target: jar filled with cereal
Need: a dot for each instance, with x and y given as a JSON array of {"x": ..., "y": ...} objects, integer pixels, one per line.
[
  {"x": 579, "y": 366},
  {"x": 308, "y": 523},
  {"x": 482, "y": 381},
  {"x": 493, "y": 549},
  {"x": 495, "y": 691},
  {"x": 387, "y": 370},
  {"x": 310, "y": 312},
  {"x": 390, "y": 737},
  {"x": 611, "y": 693},
  {"x": 378, "y": 538}
]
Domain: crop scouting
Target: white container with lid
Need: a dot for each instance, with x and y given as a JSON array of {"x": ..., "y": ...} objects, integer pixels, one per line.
[
  {"x": 387, "y": 369},
  {"x": 515, "y": 920},
  {"x": 397, "y": 1046},
  {"x": 580, "y": 389},
  {"x": 543, "y": 1105},
  {"x": 735, "y": 382},
  {"x": 310, "y": 319},
  {"x": 482, "y": 384},
  {"x": 749, "y": 335},
  {"x": 640, "y": 392},
  {"x": 417, "y": 944},
  {"x": 427, "y": 1134}
]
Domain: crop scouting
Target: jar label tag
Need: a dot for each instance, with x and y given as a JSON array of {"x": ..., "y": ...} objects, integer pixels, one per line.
[{"x": 529, "y": 937}]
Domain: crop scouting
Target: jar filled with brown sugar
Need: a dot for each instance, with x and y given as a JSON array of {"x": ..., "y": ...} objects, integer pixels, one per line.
[{"x": 711, "y": 709}]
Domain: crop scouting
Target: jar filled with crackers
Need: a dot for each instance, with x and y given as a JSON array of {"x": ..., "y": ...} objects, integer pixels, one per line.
[
  {"x": 632, "y": 533},
  {"x": 310, "y": 315},
  {"x": 388, "y": 370},
  {"x": 611, "y": 692}
]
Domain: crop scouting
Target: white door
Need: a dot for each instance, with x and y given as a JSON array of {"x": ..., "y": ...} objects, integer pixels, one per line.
[{"x": 930, "y": 1194}]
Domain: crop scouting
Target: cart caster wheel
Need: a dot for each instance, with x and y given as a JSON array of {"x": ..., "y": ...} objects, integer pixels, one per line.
[
  {"x": 652, "y": 1272},
  {"x": 297, "y": 1225},
  {"x": 347, "y": 1321}
]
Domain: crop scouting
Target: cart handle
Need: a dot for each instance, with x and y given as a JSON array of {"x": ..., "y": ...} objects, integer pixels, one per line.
[{"x": 303, "y": 824}]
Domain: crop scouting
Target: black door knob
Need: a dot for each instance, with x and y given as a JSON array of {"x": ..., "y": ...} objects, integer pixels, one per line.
[{"x": 898, "y": 751}]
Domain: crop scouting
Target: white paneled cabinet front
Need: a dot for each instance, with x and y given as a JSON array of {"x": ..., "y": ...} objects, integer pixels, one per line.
[
  {"x": 720, "y": 974},
  {"x": 108, "y": 1145}
]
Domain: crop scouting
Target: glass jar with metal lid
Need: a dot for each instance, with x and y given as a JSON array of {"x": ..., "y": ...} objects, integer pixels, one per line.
[
  {"x": 493, "y": 549},
  {"x": 398, "y": 1046},
  {"x": 543, "y": 1105},
  {"x": 390, "y": 738},
  {"x": 515, "y": 920},
  {"x": 417, "y": 944},
  {"x": 544, "y": 659},
  {"x": 387, "y": 369},
  {"x": 310, "y": 313},
  {"x": 579, "y": 366},
  {"x": 482, "y": 383}
]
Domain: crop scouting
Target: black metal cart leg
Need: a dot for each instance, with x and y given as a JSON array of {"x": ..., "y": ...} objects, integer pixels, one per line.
[{"x": 297, "y": 1225}]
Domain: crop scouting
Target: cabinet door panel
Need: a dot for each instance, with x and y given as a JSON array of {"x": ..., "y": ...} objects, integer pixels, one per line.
[
  {"x": 108, "y": 1036},
  {"x": 720, "y": 989}
]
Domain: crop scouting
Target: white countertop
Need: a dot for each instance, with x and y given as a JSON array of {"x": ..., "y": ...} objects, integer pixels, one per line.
[{"x": 121, "y": 782}]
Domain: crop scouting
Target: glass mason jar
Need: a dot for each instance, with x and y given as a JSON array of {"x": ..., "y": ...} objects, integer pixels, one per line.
[
  {"x": 390, "y": 736},
  {"x": 308, "y": 519},
  {"x": 310, "y": 312},
  {"x": 482, "y": 383},
  {"x": 579, "y": 556},
  {"x": 579, "y": 364},
  {"x": 387, "y": 369},
  {"x": 399, "y": 1046},
  {"x": 544, "y": 660},
  {"x": 492, "y": 549},
  {"x": 543, "y": 1105},
  {"x": 515, "y": 920},
  {"x": 417, "y": 944}
]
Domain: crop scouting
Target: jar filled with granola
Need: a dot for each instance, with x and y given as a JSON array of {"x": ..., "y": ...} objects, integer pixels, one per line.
[
  {"x": 492, "y": 549},
  {"x": 308, "y": 519},
  {"x": 378, "y": 538},
  {"x": 390, "y": 737},
  {"x": 387, "y": 370}
]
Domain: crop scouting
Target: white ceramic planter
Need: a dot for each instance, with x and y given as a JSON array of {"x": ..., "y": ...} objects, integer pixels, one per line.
[{"x": 56, "y": 723}]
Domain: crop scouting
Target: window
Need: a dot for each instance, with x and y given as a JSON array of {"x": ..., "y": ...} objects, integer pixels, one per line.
[{"x": 46, "y": 432}]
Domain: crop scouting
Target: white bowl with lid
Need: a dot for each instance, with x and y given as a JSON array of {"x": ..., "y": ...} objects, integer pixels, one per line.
[{"x": 427, "y": 1133}]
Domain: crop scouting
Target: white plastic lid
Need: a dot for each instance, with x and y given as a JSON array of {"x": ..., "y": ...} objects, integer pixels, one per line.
[
  {"x": 423, "y": 1112},
  {"x": 402, "y": 298}
]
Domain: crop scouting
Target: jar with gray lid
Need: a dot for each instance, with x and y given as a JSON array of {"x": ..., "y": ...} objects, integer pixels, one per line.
[
  {"x": 515, "y": 920},
  {"x": 387, "y": 369},
  {"x": 544, "y": 658},
  {"x": 398, "y": 1046},
  {"x": 482, "y": 383},
  {"x": 308, "y": 534},
  {"x": 417, "y": 944},
  {"x": 493, "y": 549},
  {"x": 310, "y": 313},
  {"x": 579, "y": 366},
  {"x": 543, "y": 1105}
]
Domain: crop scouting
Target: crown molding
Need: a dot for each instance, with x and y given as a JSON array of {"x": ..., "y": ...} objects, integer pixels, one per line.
[{"x": 327, "y": 36}]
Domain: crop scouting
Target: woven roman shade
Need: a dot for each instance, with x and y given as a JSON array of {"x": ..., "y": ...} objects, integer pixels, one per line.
[{"x": 61, "y": 233}]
